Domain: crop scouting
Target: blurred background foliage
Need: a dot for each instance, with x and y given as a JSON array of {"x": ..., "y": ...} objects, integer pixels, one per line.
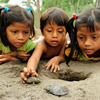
[{"x": 69, "y": 6}]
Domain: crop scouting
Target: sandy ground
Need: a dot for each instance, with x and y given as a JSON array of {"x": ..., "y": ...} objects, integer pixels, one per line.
[{"x": 81, "y": 79}]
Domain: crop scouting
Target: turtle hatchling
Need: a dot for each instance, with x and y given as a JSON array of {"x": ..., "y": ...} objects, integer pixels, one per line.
[
  {"x": 33, "y": 80},
  {"x": 57, "y": 90}
]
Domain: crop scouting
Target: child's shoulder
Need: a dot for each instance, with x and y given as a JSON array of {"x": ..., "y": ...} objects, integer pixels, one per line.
[
  {"x": 41, "y": 42},
  {"x": 40, "y": 39}
]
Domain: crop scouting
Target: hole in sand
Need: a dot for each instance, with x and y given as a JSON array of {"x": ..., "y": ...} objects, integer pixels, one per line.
[{"x": 70, "y": 75}]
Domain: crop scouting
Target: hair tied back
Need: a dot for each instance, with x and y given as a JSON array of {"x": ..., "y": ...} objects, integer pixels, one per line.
[
  {"x": 6, "y": 9},
  {"x": 29, "y": 9},
  {"x": 74, "y": 15}
]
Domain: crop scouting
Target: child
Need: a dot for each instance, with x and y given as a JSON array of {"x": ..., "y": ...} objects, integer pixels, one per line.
[
  {"x": 84, "y": 31},
  {"x": 16, "y": 26},
  {"x": 53, "y": 24}
]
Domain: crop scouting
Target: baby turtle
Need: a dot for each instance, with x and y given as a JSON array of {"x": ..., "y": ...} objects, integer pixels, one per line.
[
  {"x": 57, "y": 90},
  {"x": 32, "y": 80}
]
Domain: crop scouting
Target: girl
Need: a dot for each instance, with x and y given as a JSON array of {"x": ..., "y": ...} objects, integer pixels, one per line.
[
  {"x": 84, "y": 32},
  {"x": 16, "y": 26},
  {"x": 53, "y": 24}
]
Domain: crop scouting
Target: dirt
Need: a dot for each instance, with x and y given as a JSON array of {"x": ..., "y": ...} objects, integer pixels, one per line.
[{"x": 82, "y": 79}]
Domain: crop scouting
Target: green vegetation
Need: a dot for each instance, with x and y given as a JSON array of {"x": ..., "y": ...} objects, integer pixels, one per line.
[{"x": 69, "y": 6}]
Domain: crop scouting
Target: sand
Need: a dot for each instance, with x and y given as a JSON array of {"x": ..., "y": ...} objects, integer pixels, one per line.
[{"x": 82, "y": 79}]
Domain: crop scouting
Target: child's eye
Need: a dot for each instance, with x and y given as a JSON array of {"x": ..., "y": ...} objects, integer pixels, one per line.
[
  {"x": 13, "y": 31},
  {"x": 26, "y": 32},
  {"x": 60, "y": 31},
  {"x": 81, "y": 37},
  {"x": 95, "y": 37},
  {"x": 49, "y": 30}
]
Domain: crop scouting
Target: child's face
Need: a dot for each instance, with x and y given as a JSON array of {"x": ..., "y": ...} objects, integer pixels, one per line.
[
  {"x": 89, "y": 42},
  {"x": 54, "y": 35},
  {"x": 18, "y": 34}
]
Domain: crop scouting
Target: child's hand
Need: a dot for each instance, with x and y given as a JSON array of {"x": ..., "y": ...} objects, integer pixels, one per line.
[
  {"x": 23, "y": 55},
  {"x": 27, "y": 73},
  {"x": 5, "y": 58},
  {"x": 53, "y": 64}
]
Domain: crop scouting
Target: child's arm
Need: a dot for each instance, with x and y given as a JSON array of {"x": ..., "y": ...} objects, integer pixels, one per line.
[
  {"x": 54, "y": 62},
  {"x": 13, "y": 56},
  {"x": 22, "y": 55},
  {"x": 62, "y": 52},
  {"x": 33, "y": 62},
  {"x": 7, "y": 57}
]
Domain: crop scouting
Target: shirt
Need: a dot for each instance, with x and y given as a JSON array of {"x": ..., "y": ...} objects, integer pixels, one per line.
[
  {"x": 28, "y": 46},
  {"x": 81, "y": 56}
]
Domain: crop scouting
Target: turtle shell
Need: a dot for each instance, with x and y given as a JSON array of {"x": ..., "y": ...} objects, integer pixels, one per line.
[
  {"x": 33, "y": 80},
  {"x": 57, "y": 90}
]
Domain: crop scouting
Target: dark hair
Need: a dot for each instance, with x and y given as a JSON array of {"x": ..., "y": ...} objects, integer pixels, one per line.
[
  {"x": 14, "y": 14},
  {"x": 56, "y": 15},
  {"x": 89, "y": 18}
]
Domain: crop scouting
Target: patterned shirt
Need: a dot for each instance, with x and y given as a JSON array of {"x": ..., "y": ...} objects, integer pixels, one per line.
[{"x": 81, "y": 56}]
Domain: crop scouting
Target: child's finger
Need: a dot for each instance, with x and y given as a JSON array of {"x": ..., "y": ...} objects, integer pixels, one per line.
[
  {"x": 56, "y": 68},
  {"x": 1, "y": 56},
  {"x": 23, "y": 78},
  {"x": 31, "y": 70},
  {"x": 47, "y": 63},
  {"x": 35, "y": 74},
  {"x": 52, "y": 68},
  {"x": 26, "y": 55},
  {"x": 26, "y": 72},
  {"x": 2, "y": 60},
  {"x": 48, "y": 66},
  {"x": 25, "y": 59},
  {"x": 23, "y": 55}
]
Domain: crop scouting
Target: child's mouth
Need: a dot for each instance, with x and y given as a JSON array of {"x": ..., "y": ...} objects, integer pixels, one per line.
[
  {"x": 19, "y": 43},
  {"x": 54, "y": 42},
  {"x": 88, "y": 50}
]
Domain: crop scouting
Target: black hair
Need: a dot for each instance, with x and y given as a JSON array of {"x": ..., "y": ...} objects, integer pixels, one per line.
[
  {"x": 14, "y": 14},
  {"x": 89, "y": 18},
  {"x": 55, "y": 15}
]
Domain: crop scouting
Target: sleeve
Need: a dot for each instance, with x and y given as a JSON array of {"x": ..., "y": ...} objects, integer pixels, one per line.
[
  {"x": 0, "y": 46},
  {"x": 67, "y": 50},
  {"x": 30, "y": 45}
]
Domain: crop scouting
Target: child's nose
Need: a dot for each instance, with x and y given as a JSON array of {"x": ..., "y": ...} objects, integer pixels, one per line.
[
  {"x": 20, "y": 36},
  {"x": 87, "y": 42},
  {"x": 54, "y": 34}
]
